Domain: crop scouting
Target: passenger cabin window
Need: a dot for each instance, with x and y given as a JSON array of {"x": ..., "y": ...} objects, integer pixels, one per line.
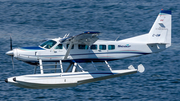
[
  {"x": 71, "y": 47},
  {"x": 83, "y": 46},
  {"x": 102, "y": 47},
  {"x": 94, "y": 47},
  {"x": 111, "y": 47},
  {"x": 60, "y": 46},
  {"x": 48, "y": 44}
]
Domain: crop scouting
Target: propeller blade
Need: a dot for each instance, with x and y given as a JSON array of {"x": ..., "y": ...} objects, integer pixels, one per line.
[
  {"x": 12, "y": 62},
  {"x": 10, "y": 43},
  {"x": 11, "y": 55}
]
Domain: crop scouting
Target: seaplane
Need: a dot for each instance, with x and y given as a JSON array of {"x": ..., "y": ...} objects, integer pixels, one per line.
[{"x": 86, "y": 47}]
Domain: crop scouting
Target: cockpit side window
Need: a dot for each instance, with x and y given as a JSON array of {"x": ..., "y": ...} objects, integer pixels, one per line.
[
  {"x": 48, "y": 44},
  {"x": 60, "y": 46}
]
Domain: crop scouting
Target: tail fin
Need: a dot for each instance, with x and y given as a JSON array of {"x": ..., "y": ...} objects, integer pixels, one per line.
[{"x": 160, "y": 32}]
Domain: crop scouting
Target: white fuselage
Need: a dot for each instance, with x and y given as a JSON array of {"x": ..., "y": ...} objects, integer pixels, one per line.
[{"x": 102, "y": 50}]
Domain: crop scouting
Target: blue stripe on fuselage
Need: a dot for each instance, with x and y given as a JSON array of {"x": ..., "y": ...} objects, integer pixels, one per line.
[
  {"x": 31, "y": 48},
  {"x": 108, "y": 53}
]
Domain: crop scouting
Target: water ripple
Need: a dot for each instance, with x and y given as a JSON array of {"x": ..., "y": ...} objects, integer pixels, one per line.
[{"x": 29, "y": 22}]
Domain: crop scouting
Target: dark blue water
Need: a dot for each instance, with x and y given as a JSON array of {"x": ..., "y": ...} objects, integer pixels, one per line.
[{"x": 31, "y": 21}]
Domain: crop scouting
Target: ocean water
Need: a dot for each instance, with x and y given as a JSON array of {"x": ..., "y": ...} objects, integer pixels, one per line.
[{"x": 31, "y": 21}]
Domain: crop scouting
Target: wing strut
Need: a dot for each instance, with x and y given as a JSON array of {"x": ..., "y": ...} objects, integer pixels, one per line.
[{"x": 68, "y": 51}]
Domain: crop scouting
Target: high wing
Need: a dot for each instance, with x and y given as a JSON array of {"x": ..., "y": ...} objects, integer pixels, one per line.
[{"x": 87, "y": 38}]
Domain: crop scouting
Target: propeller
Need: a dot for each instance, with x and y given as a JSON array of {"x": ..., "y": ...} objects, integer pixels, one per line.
[{"x": 11, "y": 50}]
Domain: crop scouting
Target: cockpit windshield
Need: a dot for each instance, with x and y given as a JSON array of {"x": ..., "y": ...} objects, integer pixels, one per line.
[{"x": 48, "y": 44}]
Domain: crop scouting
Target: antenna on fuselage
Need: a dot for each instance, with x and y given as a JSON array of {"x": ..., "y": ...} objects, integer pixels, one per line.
[
  {"x": 117, "y": 38},
  {"x": 66, "y": 35}
]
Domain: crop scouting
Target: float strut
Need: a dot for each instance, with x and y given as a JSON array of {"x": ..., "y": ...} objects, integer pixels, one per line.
[
  {"x": 108, "y": 65},
  {"x": 74, "y": 67},
  {"x": 69, "y": 66},
  {"x": 35, "y": 69},
  {"x": 94, "y": 65},
  {"x": 81, "y": 68},
  {"x": 55, "y": 67},
  {"x": 41, "y": 66},
  {"x": 60, "y": 61}
]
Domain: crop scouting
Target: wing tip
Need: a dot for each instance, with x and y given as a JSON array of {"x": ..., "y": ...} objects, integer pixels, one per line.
[{"x": 91, "y": 32}]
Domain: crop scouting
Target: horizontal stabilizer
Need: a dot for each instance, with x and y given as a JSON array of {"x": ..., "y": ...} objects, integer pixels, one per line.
[{"x": 140, "y": 69}]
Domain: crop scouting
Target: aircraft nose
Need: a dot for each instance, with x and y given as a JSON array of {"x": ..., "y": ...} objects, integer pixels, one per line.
[{"x": 11, "y": 53}]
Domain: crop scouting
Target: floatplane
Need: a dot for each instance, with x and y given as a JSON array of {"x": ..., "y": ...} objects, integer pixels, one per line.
[{"x": 86, "y": 47}]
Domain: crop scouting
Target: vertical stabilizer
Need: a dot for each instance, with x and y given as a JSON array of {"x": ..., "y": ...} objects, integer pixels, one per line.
[{"x": 160, "y": 32}]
